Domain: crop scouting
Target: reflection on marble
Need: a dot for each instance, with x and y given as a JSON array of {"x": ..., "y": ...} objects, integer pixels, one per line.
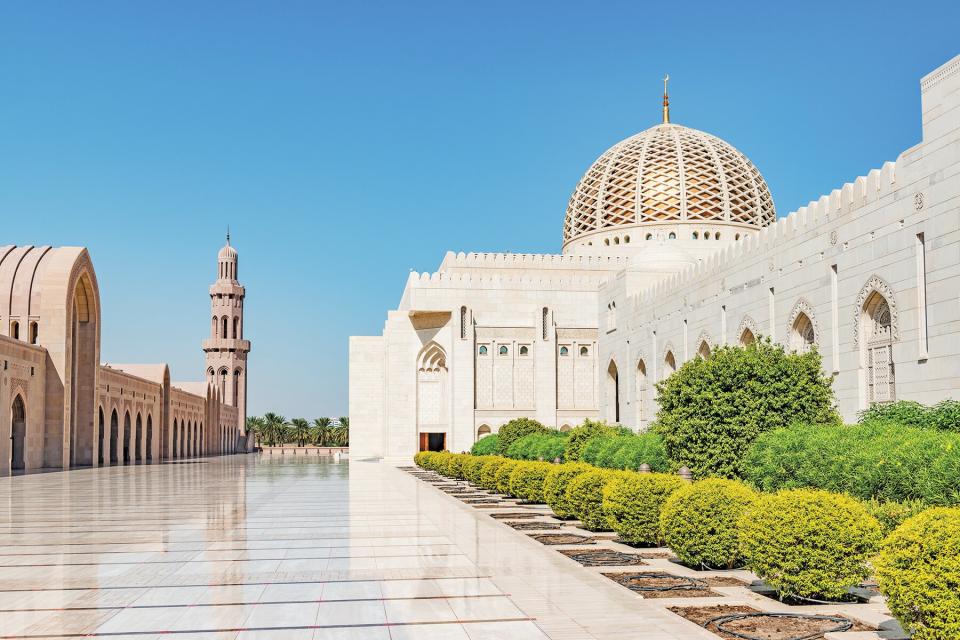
[{"x": 248, "y": 548}]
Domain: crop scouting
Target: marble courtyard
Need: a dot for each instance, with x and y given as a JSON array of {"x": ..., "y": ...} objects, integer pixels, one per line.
[{"x": 245, "y": 547}]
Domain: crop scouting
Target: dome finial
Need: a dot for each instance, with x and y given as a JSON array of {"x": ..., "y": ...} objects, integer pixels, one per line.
[
  {"x": 666, "y": 100},
  {"x": 228, "y": 235}
]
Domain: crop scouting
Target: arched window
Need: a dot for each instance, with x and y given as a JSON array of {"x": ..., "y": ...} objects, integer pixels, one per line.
[
  {"x": 669, "y": 364},
  {"x": 482, "y": 350},
  {"x": 34, "y": 333},
  {"x": 223, "y": 383},
  {"x": 626, "y": 239},
  {"x": 524, "y": 351},
  {"x": 584, "y": 351},
  {"x": 18, "y": 434},
  {"x": 616, "y": 240},
  {"x": 545, "y": 324},
  {"x": 463, "y": 323},
  {"x": 877, "y": 336},
  {"x": 649, "y": 236},
  {"x": 15, "y": 330},
  {"x": 696, "y": 236},
  {"x": 736, "y": 237},
  {"x": 716, "y": 236},
  {"x": 747, "y": 338},
  {"x": 613, "y": 392},
  {"x": 236, "y": 327},
  {"x": 236, "y": 388},
  {"x": 706, "y": 235},
  {"x": 503, "y": 350},
  {"x": 564, "y": 351},
  {"x": 641, "y": 392},
  {"x": 565, "y": 428},
  {"x": 484, "y": 430},
  {"x": 224, "y": 325},
  {"x": 606, "y": 241},
  {"x": 672, "y": 236},
  {"x": 215, "y": 327},
  {"x": 704, "y": 350},
  {"x": 803, "y": 335}
]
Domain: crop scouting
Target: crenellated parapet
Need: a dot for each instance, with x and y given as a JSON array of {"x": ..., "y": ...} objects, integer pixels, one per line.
[
  {"x": 442, "y": 280},
  {"x": 531, "y": 261}
]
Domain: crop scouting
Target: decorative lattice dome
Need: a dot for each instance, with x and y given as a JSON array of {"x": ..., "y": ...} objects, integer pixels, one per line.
[{"x": 668, "y": 173}]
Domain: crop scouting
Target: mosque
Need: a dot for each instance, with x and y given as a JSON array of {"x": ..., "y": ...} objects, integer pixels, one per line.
[
  {"x": 64, "y": 409},
  {"x": 671, "y": 247}
]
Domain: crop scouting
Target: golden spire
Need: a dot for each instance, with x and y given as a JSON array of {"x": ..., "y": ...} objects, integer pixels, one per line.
[{"x": 666, "y": 100}]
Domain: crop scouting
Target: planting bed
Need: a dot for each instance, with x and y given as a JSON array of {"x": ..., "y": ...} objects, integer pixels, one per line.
[
  {"x": 746, "y": 623},
  {"x": 656, "y": 584},
  {"x": 561, "y": 538},
  {"x": 533, "y": 526},
  {"x": 525, "y": 515},
  {"x": 602, "y": 557}
]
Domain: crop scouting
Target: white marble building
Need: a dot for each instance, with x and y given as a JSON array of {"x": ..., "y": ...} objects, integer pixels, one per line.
[{"x": 672, "y": 247}]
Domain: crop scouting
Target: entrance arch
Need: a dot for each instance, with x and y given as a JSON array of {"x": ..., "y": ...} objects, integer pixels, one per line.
[
  {"x": 641, "y": 392},
  {"x": 100, "y": 434},
  {"x": 18, "y": 434},
  {"x": 114, "y": 428},
  {"x": 175, "y": 450},
  {"x": 613, "y": 391},
  {"x": 126, "y": 438},
  {"x": 137, "y": 447},
  {"x": 149, "y": 437}
]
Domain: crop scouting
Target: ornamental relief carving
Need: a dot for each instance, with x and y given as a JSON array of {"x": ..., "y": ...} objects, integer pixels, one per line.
[
  {"x": 804, "y": 307},
  {"x": 878, "y": 285}
]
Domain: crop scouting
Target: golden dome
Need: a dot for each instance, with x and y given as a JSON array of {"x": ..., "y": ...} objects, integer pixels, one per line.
[{"x": 668, "y": 173}]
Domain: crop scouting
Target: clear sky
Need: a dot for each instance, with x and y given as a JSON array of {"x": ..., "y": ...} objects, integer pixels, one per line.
[{"x": 347, "y": 143}]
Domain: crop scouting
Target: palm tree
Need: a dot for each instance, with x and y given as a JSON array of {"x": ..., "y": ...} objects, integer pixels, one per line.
[
  {"x": 256, "y": 424},
  {"x": 300, "y": 430},
  {"x": 340, "y": 436},
  {"x": 275, "y": 429},
  {"x": 345, "y": 422},
  {"x": 321, "y": 431}
]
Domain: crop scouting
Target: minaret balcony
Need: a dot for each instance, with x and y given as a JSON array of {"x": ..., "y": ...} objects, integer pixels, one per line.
[{"x": 225, "y": 344}]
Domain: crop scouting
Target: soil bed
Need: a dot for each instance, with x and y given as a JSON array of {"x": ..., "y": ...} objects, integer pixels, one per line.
[
  {"x": 857, "y": 596},
  {"x": 561, "y": 538},
  {"x": 526, "y": 515},
  {"x": 655, "y": 584},
  {"x": 722, "y": 621},
  {"x": 603, "y": 557},
  {"x": 533, "y": 526},
  {"x": 482, "y": 501}
]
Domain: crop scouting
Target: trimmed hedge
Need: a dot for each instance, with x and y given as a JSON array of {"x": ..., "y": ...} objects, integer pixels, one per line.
[
  {"x": 808, "y": 543},
  {"x": 514, "y": 430},
  {"x": 579, "y": 437},
  {"x": 488, "y": 474},
  {"x": 627, "y": 452},
  {"x": 526, "y": 481},
  {"x": 453, "y": 467},
  {"x": 532, "y": 446},
  {"x": 711, "y": 410},
  {"x": 873, "y": 460},
  {"x": 503, "y": 476},
  {"x": 555, "y": 487},
  {"x": 485, "y": 446},
  {"x": 472, "y": 467},
  {"x": 918, "y": 571},
  {"x": 944, "y": 416},
  {"x": 699, "y": 522},
  {"x": 585, "y": 497},
  {"x": 632, "y": 503}
]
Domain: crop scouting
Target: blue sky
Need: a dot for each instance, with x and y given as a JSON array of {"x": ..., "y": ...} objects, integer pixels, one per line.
[{"x": 347, "y": 143}]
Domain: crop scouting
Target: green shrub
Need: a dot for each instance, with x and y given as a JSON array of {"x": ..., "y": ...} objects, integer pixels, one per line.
[
  {"x": 485, "y": 446},
  {"x": 872, "y": 460},
  {"x": 514, "y": 430},
  {"x": 420, "y": 459},
  {"x": 808, "y": 543},
  {"x": 601, "y": 449},
  {"x": 488, "y": 473},
  {"x": 639, "y": 449},
  {"x": 472, "y": 467},
  {"x": 585, "y": 497},
  {"x": 699, "y": 522},
  {"x": 526, "y": 481},
  {"x": 711, "y": 410},
  {"x": 632, "y": 504},
  {"x": 454, "y": 466},
  {"x": 918, "y": 571},
  {"x": 891, "y": 515},
  {"x": 944, "y": 416},
  {"x": 503, "y": 476},
  {"x": 438, "y": 461},
  {"x": 533, "y": 446},
  {"x": 555, "y": 487},
  {"x": 580, "y": 436}
]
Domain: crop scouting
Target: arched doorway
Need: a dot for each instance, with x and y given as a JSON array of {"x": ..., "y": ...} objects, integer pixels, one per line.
[
  {"x": 18, "y": 434},
  {"x": 432, "y": 409},
  {"x": 100, "y": 434},
  {"x": 641, "y": 392},
  {"x": 126, "y": 438},
  {"x": 114, "y": 427},
  {"x": 200, "y": 447},
  {"x": 183, "y": 435},
  {"x": 613, "y": 392},
  {"x": 83, "y": 363},
  {"x": 484, "y": 430},
  {"x": 175, "y": 449},
  {"x": 876, "y": 337},
  {"x": 137, "y": 447},
  {"x": 149, "y": 437}
]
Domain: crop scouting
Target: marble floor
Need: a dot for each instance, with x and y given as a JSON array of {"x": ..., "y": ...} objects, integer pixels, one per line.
[{"x": 244, "y": 547}]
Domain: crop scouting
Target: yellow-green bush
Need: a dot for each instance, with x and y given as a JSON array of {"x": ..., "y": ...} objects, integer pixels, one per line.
[
  {"x": 526, "y": 481},
  {"x": 699, "y": 522},
  {"x": 918, "y": 570},
  {"x": 454, "y": 466},
  {"x": 632, "y": 503},
  {"x": 488, "y": 474},
  {"x": 808, "y": 543},
  {"x": 472, "y": 466},
  {"x": 503, "y": 476},
  {"x": 555, "y": 486},
  {"x": 439, "y": 461},
  {"x": 585, "y": 498},
  {"x": 420, "y": 459}
]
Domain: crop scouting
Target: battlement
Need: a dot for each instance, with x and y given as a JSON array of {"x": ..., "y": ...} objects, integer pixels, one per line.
[
  {"x": 846, "y": 200},
  {"x": 441, "y": 280},
  {"x": 531, "y": 261}
]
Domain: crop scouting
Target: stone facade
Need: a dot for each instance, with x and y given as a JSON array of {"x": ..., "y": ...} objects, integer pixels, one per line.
[
  {"x": 68, "y": 410},
  {"x": 663, "y": 260}
]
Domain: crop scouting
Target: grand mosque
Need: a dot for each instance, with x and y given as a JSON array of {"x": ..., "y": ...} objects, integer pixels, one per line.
[
  {"x": 64, "y": 409},
  {"x": 671, "y": 247}
]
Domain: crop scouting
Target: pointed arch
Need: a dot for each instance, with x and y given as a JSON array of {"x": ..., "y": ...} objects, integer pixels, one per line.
[
  {"x": 641, "y": 394},
  {"x": 747, "y": 332},
  {"x": 432, "y": 388},
  {"x": 18, "y": 434},
  {"x": 613, "y": 391},
  {"x": 876, "y": 284},
  {"x": 138, "y": 435},
  {"x": 114, "y": 437},
  {"x": 877, "y": 336}
]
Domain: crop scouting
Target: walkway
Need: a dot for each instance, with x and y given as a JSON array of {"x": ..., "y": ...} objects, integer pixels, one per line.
[{"x": 243, "y": 547}]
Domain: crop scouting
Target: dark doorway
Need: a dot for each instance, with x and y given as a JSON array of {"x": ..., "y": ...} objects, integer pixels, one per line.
[
  {"x": 100, "y": 426},
  {"x": 114, "y": 427},
  {"x": 126, "y": 438},
  {"x": 433, "y": 442},
  {"x": 139, "y": 432},
  {"x": 18, "y": 435}
]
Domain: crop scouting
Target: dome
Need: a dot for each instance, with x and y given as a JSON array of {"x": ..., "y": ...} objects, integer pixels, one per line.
[
  {"x": 668, "y": 173},
  {"x": 227, "y": 253}
]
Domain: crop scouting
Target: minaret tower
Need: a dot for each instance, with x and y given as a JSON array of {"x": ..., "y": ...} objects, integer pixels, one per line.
[{"x": 226, "y": 350}]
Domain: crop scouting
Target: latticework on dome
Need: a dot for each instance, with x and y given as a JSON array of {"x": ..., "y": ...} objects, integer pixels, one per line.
[{"x": 664, "y": 174}]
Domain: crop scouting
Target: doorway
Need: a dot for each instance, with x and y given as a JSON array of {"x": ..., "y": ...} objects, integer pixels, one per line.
[{"x": 433, "y": 441}]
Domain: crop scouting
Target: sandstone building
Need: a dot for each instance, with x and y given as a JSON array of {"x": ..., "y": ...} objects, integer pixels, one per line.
[
  {"x": 64, "y": 409},
  {"x": 672, "y": 246}
]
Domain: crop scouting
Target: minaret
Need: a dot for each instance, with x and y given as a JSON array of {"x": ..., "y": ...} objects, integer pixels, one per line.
[{"x": 226, "y": 350}]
